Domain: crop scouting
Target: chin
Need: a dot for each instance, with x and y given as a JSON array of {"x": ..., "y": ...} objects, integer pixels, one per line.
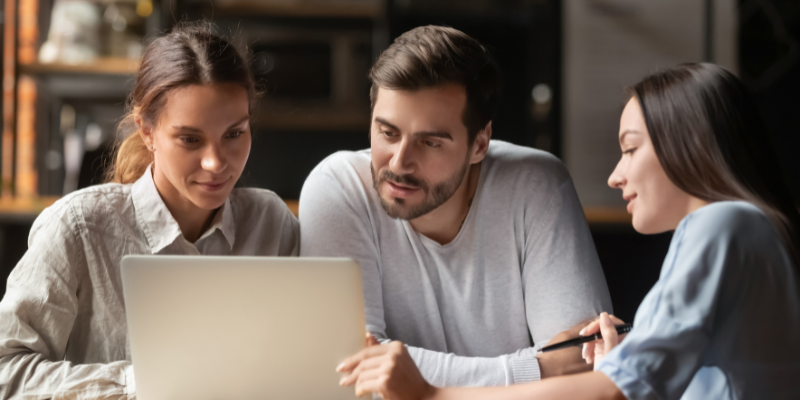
[
  {"x": 209, "y": 202},
  {"x": 647, "y": 226}
]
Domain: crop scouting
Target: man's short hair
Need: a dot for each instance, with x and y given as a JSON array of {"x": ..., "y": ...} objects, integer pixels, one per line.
[{"x": 430, "y": 56}]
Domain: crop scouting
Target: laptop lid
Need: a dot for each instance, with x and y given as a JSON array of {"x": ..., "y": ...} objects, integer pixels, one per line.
[{"x": 205, "y": 327}]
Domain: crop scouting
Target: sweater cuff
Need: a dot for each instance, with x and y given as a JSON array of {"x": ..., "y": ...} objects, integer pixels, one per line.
[
  {"x": 130, "y": 382},
  {"x": 525, "y": 369}
]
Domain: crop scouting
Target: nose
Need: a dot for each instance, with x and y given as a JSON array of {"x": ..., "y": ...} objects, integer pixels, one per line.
[
  {"x": 402, "y": 162},
  {"x": 617, "y": 179},
  {"x": 213, "y": 159}
]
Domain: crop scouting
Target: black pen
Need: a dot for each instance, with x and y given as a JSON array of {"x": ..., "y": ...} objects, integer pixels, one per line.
[{"x": 583, "y": 339}]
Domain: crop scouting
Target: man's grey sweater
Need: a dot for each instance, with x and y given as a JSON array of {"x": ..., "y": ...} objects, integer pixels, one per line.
[{"x": 472, "y": 312}]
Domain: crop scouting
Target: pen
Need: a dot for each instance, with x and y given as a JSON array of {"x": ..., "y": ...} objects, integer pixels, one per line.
[{"x": 584, "y": 339}]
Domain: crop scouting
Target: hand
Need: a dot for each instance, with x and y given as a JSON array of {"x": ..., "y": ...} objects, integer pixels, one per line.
[
  {"x": 565, "y": 361},
  {"x": 593, "y": 352},
  {"x": 386, "y": 370},
  {"x": 371, "y": 341}
]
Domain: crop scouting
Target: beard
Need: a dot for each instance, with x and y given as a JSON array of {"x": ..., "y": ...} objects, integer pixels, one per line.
[{"x": 434, "y": 196}]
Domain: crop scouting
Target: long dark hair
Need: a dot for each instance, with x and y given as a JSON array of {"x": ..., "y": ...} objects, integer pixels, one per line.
[
  {"x": 712, "y": 142},
  {"x": 191, "y": 54}
]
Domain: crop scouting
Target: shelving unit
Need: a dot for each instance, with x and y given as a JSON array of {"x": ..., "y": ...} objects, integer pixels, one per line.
[
  {"x": 101, "y": 66},
  {"x": 305, "y": 8}
]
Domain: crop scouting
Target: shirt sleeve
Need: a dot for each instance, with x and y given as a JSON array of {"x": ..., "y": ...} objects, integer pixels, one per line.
[
  {"x": 563, "y": 281},
  {"x": 334, "y": 224},
  {"x": 672, "y": 328},
  {"x": 37, "y": 315}
]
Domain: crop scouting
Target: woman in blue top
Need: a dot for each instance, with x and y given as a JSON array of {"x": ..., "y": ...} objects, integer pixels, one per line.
[{"x": 723, "y": 319}]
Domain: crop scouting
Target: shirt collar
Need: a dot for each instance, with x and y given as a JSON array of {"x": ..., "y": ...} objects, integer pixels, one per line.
[
  {"x": 157, "y": 223},
  {"x": 223, "y": 221}
]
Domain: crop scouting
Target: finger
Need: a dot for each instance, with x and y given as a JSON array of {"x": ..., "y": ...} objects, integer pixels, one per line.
[
  {"x": 609, "y": 331},
  {"x": 365, "y": 365},
  {"x": 616, "y": 320},
  {"x": 598, "y": 353},
  {"x": 588, "y": 352},
  {"x": 373, "y": 385},
  {"x": 591, "y": 351},
  {"x": 353, "y": 361},
  {"x": 373, "y": 373},
  {"x": 591, "y": 329}
]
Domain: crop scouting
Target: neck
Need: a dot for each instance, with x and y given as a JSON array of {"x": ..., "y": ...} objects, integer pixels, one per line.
[
  {"x": 192, "y": 220},
  {"x": 443, "y": 224},
  {"x": 694, "y": 204}
]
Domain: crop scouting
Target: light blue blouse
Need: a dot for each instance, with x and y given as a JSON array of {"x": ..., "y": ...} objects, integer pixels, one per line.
[{"x": 723, "y": 320}]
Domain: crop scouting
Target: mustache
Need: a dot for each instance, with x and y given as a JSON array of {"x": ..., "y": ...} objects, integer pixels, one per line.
[{"x": 407, "y": 180}]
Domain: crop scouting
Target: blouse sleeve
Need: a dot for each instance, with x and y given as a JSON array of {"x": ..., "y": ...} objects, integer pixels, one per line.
[
  {"x": 674, "y": 324},
  {"x": 37, "y": 315}
]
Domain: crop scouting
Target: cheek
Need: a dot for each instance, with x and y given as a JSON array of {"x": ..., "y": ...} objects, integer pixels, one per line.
[
  {"x": 240, "y": 152},
  {"x": 176, "y": 162},
  {"x": 654, "y": 197},
  {"x": 381, "y": 155}
]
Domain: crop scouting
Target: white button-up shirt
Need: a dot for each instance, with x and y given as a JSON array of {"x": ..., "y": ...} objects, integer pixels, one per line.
[{"x": 63, "y": 331}]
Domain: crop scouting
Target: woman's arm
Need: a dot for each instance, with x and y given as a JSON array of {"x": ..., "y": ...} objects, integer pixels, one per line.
[{"x": 37, "y": 316}]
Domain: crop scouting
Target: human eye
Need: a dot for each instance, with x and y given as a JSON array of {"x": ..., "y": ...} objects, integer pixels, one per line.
[
  {"x": 235, "y": 134},
  {"x": 431, "y": 144},
  {"x": 629, "y": 151},
  {"x": 189, "y": 140}
]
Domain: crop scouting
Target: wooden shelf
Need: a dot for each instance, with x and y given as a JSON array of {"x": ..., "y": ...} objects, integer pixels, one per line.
[
  {"x": 294, "y": 206},
  {"x": 277, "y": 116},
  {"x": 23, "y": 209},
  {"x": 303, "y": 8},
  {"x": 607, "y": 215},
  {"x": 104, "y": 66}
]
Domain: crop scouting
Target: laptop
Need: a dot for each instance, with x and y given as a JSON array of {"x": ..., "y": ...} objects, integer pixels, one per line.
[{"x": 208, "y": 328}]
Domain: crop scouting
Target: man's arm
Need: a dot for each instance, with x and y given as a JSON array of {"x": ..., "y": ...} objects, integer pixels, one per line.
[
  {"x": 563, "y": 282},
  {"x": 389, "y": 372}
]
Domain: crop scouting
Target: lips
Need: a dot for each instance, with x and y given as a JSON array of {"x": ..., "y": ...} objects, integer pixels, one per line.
[
  {"x": 401, "y": 191},
  {"x": 213, "y": 186},
  {"x": 630, "y": 199}
]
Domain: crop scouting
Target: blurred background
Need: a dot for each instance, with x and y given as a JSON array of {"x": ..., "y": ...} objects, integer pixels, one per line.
[{"x": 68, "y": 66}]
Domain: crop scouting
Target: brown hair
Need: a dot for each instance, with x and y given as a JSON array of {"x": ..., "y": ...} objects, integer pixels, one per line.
[
  {"x": 429, "y": 56},
  {"x": 191, "y": 54},
  {"x": 712, "y": 143}
]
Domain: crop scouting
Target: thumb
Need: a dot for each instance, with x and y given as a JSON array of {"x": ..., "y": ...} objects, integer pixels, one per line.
[{"x": 609, "y": 331}]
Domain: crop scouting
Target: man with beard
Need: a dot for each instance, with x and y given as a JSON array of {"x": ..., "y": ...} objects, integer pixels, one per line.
[{"x": 473, "y": 252}]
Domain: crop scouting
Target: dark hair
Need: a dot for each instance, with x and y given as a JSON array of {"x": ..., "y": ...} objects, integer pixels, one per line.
[
  {"x": 429, "y": 56},
  {"x": 191, "y": 54},
  {"x": 712, "y": 143}
]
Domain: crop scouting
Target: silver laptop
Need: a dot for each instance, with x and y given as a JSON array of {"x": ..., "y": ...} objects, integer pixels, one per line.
[{"x": 241, "y": 327}]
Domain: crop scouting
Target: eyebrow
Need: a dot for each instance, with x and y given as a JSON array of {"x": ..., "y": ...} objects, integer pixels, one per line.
[
  {"x": 622, "y": 136},
  {"x": 443, "y": 135},
  {"x": 198, "y": 130}
]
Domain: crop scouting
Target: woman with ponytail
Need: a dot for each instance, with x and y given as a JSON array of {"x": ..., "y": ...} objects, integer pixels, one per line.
[
  {"x": 170, "y": 190},
  {"x": 722, "y": 321}
]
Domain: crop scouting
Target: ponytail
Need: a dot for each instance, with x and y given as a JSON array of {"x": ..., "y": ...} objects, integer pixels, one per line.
[{"x": 131, "y": 158}]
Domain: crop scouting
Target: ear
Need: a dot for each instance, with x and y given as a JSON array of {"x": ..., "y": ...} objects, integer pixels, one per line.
[
  {"x": 481, "y": 144},
  {"x": 145, "y": 131}
]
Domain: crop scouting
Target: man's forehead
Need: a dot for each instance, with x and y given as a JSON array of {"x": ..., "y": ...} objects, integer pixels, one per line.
[
  {"x": 438, "y": 108},
  {"x": 446, "y": 89}
]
